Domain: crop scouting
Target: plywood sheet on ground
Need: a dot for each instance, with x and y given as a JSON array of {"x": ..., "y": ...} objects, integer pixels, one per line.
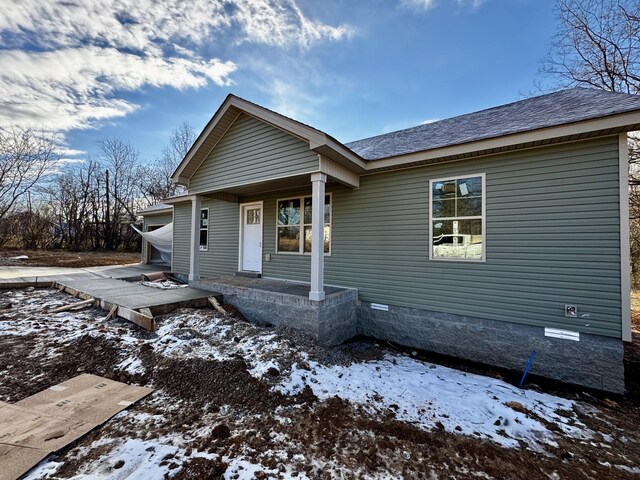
[
  {"x": 16, "y": 461},
  {"x": 49, "y": 420}
]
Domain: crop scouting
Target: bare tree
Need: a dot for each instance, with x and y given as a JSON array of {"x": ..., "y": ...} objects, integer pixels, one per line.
[
  {"x": 73, "y": 196},
  {"x": 121, "y": 187},
  {"x": 26, "y": 156},
  {"x": 597, "y": 45},
  {"x": 156, "y": 180}
]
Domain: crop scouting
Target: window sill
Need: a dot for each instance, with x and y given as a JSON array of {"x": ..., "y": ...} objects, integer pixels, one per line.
[
  {"x": 458, "y": 260},
  {"x": 308, "y": 254}
]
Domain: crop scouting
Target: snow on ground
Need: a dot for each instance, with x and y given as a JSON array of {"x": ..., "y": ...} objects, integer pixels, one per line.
[
  {"x": 421, "y": 393},
  {"x": 141, "y": 461},
  {"x": 151, "y": 444},
  {"x": 426, "y": 394}
]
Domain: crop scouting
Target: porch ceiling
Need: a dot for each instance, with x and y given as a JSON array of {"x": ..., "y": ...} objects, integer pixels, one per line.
[{"x": 287, "y": 183}]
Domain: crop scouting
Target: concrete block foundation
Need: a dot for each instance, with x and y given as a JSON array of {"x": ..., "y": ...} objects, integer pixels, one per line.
[
  {"x": 330, "y": 322},
  {"x": 594, "y": 361}
]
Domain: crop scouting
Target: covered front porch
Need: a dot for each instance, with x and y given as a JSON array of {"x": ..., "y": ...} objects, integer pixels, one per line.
[
  {"x": 257, "y": 241},
  {"x": 243, "y": 156}
]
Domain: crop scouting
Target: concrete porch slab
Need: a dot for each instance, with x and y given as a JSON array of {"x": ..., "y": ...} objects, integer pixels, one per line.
[{"x": 270, "y": 285}]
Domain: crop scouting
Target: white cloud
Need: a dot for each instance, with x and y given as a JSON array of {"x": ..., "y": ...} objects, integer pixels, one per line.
[
  {"x": 427, "y": 5},
  {"x": 70, "y": 152},
  {"x": 72, "y": 87},
  {"x": 283, "y": 24},
  {"x": 68, "y": 64},
  {"x": 474, "y": 4},
  {"x": 289, "y": 99},
  {"x": 418, "y": 5}
]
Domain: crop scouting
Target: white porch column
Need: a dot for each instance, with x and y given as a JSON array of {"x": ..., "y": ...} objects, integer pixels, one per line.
[
  {"x": 194, "y": 257},
  {"x": 318, "y": 181}
]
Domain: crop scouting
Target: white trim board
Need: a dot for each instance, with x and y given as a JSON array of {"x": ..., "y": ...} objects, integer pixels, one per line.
[
  {"x": 625, "y": 254},
  {"x": 242, "y": 208},
  {"x": 483, "y": 176}
]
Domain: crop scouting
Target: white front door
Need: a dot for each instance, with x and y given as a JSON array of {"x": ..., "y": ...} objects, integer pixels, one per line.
[{"x": 251, "y": 247}]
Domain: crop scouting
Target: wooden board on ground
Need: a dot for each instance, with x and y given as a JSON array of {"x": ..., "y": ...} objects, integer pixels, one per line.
[{"x": 41, "y": 424}]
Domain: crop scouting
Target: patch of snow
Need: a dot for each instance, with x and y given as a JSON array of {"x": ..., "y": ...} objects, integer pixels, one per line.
[
  {"x": 261, "y": 368},
  {"x": 633, "y": 470},
  {"x": 426, "y": 394},
  {"x": 20, "y": 257},
  {"x": 45, "y": 469},
  {"x": 132, "y": 365},
  {"x": 141, "y": 461},
  {"x": 242, "y": 469},
  {"x": 164, "y": 285}
]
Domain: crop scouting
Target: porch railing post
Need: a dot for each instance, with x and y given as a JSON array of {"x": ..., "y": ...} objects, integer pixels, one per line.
[
  {"x": 318, "y": 181},
  {"x": 194, "y": 257}
]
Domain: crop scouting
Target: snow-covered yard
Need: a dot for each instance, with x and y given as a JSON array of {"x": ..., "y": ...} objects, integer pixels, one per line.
[{"x": 234, "y": 400}]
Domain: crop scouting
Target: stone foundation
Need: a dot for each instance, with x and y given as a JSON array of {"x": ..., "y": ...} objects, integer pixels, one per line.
[{"x": 595, "y": 361}]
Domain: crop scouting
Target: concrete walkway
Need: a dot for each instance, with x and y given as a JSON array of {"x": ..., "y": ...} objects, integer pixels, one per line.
[
  {"x": 107, "y": 287},
  {"x": 19, "y": 274},
  {"x": 136, "y": 296}
]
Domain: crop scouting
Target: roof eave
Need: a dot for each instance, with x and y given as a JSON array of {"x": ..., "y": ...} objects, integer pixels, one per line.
[
  {"x": 154, "y": 212},
  {"x": 622, "y": 122}
]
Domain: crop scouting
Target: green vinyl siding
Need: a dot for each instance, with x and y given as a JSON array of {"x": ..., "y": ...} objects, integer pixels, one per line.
[
  {"x": 552, "y": 238},
  {"x": 153, "y": 220},
  {"x": 253, "y": 151},
  {"x": 181, "y": 238},
  {"x": 221, "y": 258}
]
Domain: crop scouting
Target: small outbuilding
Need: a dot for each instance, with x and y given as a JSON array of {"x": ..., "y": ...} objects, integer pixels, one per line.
[{"x": 155, "y": 218}]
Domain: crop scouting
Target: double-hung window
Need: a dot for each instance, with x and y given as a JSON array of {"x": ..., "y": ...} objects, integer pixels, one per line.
[
  {"x": 294, "y": 225},
  {"x": 204, "y": 229},
  {"x": 457, "y": 216}
]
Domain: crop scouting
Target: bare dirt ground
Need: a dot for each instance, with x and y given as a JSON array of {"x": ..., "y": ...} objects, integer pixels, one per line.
[
  {"x": 61, "y": 258},
  {"x": 234, "y": 400}
]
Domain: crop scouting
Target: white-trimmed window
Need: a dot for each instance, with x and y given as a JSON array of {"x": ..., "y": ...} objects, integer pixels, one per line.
[
  {"x": 457, "y": 218},
  {"x": 204, "y": 229},
  {"x": 294, "y": 225}
]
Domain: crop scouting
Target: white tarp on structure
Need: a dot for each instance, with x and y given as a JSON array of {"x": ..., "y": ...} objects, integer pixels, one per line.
[{"x": 161, "y": 239}]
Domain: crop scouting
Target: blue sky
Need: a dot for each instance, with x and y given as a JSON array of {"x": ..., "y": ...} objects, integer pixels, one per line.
[{"x": 136, "y": 69}]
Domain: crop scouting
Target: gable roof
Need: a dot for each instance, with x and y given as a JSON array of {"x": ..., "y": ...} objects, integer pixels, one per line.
[
  {"x": 554, "y": 109},
  {"x": 229, "y": 111},
  {"x": 566, "y": 115}
]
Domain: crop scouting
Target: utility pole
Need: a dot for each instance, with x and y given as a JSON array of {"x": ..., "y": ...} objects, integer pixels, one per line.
[{"x": 107, "y": 220}]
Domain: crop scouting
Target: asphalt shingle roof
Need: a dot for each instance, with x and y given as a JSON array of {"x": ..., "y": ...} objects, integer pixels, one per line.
[
  {"x": 154, "y": 208},
  {"x": 563, "y": 107}
]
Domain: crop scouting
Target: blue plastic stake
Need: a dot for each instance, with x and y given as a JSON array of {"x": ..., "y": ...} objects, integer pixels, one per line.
[{"x": 526, "y": 370}]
